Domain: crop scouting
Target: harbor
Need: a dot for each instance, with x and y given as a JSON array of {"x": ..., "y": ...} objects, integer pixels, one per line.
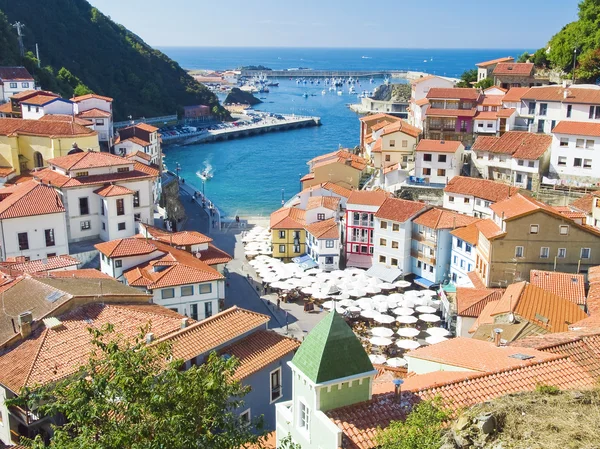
[{"x": 295, "y": 73}]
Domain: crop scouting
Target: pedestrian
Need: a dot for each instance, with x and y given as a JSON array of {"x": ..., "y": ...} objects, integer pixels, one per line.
[{"x": 278, "y": 303}]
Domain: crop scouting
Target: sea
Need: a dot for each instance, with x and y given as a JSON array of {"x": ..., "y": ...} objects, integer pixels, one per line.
[{"x": 252, "y": 175}]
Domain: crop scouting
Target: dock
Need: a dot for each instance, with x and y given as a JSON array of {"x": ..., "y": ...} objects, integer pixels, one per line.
[{"x": 300, "y": 73}]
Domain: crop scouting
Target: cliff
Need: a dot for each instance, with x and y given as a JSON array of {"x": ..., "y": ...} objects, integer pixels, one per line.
[{"x": 237, "y": 96}]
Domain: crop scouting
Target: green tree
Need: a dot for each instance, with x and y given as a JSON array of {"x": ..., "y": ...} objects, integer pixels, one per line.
[
  {"x": 589, "y": 66},
  {"x": 422, "y": 429},
  {"x": 485, "y": 83},
  {"x": 132, "y": 395},
  {"x": 524, "y": 57},
  {"x": 468, "y": 77},
  {"x": 540, "y": 58}
]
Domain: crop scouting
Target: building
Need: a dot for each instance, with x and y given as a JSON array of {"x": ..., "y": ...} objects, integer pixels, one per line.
[
  {"x": 463, "y": 254},
  {"x": 12, "y": 109},
  {"x": 474, "y": 196},
  {"x": 319, "y": 208},
  {"x": 494, "y": 122},
  {"x": 450, "y": 114},
  {"x": 432, "y": 244},
  {"x": 196, "y": 112},
  {"x": 486, "y": 68},
  {"x": 339, "y": 167},
  {"x": 469, "y": 305},
  {"x": 378, "y": 121},
  {"x": 141, "y": 138},
  {"x": 566, "y": 285},
  {"x": 324, "y": 189},
  {"x": 40, "y": 267},
  {"x": 287, "y": 233},
  {"x": 515, "y": 74},
  {"x": 14, "y": 80},
  {"x": 517, "y": 158},
  {"x": 573, "y": 158},
  {"x": 360, "y": 224},
  {"x": 99, "y": 110},
  {"x": 34, "y": 224},
  {"x": 323, "y": 243},
  {"x": 393, "y": 233},
  {"x": 393, "y": 144},
  {"x": 36, "y": 106},
  {"x": 438, "y": 161},
  {"x": 418, "y": 97},
  {"x": 105, "y": 196}
]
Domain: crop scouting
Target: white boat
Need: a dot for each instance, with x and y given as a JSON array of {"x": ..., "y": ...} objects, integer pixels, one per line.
[
  {"x": 351, "y": 90},
  {"x": 424, "y": 60},
  {"x": 305, "y": 95},
  {"x": 205, "y": 175},
  {"x": 340, "y": 93},
  {"x": 323, "y": 92}
]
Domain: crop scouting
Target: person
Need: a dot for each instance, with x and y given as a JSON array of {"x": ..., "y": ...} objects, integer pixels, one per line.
[{"x": 278, "y": 303}]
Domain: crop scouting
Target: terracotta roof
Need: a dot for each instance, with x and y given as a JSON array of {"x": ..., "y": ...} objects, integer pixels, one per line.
[
  {"x": 492, "y": 100},
  {"x": 380, "y": 125},
  {"x": 94, "y": 113},
  {"x": 15, "y": 73},
  {"x": 582, "y": 95},
  {"x": 422, "y": 78},
  {"x": 505, "y": 113},
  {"x": 469, "y": 234},
  {"x": 403, "y": 127},
  {"x": 378, "y": 145},
  {"x": 577, "y": 128},
  {"x": 82, "y": 273},
  {"x": 146, "y": 127},
  {"x": 141, "y": 155},
  {"x": 439, "y": 146},
  {"x": 480, "y": 188},
  {"x": 133, "y": 139},
  {"x": 326, "y": 229},
  {"x": 566, "y": 285},
  {"x": 515, "y": 94},
  {"x": 41, "y": 265},
  {"x": 435, "y": 379},
  {"x": 125, "y": 247},
  {"x": 328, "y": 202},
  {"x": 17, "y": 126},
  {"x": 486, "y": 115},
  {"x": 88, "y": 159},
  {"x": 307, "y": 177},
  {"x": 422, "y": 102},
  {"x": 454, "y": 93},
  {"x": 214, "y": 332},
  {"x": 451, "y": 112},
  {"x": 31, "y": 93},
  {"x": 399, "y": 210},
  {"x": 514, "y": 68},
  {"x": 495, "y": 61},
  {"x": 339, "y": 157},
  {"x": 214, "y": 255},
  {"x": 113, "y": 190},
  {"x": 569, "y": 212},
  {"x": 5, "y": 171},
  {"x": 65, "y": 118},
  {"x": 475, "y": 280},
  {"x": 42, "y": 99},
  {"x": 483, "y": 143},
  {"x": 390, "y": 168},
  {"x": 259, "y": 350},
  {"x": 90, "y": 96},
  {"x": 31, "y": 198},
  {"x": 377, "y": 117},
  {"x": 367, "y": 198},
  {"x": 471, "y": 301},
  {"x": 287, "y": 218},
  {"x": 181, "y": 238},
  {"x": 6, "y": 108},
  {"x": 518, "y": 205},
  {"x": 489, "y": 228},
  {"x": 56, "y": 179},
  {"x": 519, "y": 144},
  {"x": 438, "y": 218},
  {"x": 337, "y": 189}
]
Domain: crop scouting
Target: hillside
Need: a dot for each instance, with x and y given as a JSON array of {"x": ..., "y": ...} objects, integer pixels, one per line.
[{"x": 82, "y": 50}]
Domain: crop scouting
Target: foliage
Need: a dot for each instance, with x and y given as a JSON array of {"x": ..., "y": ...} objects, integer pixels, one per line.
[
  {"x": 547, "y": 389},
  {"x": 468, "y": 77},
  {"x": 540, "y": 58},
  {"x": 254, "y": 67},
  {"x": 132, "y": 395},
  {"x": 422, "y": 429},
  {"x": 485, "y": 83},
  {"x": 238, "y": 96},
  {"x": 107, "y": 58},
  {"x": 524, "y": 57},
  {"x": 288, "y": 443},
  {"x": 589, "y": 66}
]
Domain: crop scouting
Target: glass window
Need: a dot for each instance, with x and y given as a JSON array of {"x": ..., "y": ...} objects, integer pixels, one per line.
[
  {"x": 86, "y": 225},
  {"x": 441, "y": 172},
  {"x": 589, "y": 144},
  {"x": 383, "y": 225},
  {"x": 49, "y": 234},
  {"x": 459, "y": 243},
  {"x": 187, "y": 290},
  {"x": 534, "y": 229},
  {"x": 329, "y": 260},
  {"x": 562, "y": 160},
  {"x": 395, "y": 227},
  {"x": 394, "y": 262},
  {"x": 282, "y": 248},
  {"x": 569, "y": 110},
  {"x": 587, "y": 163},
  {"x": 441, "y": 158},
  {"x": 467, "y": 200},
  {"x": 382, "y": 259},
  {"x": 451, "y": 199},
  {"x": 84, "y": 208},
  {"x": 320, "y": 217},
  {"x": 562, "y": 253},
  {"x": 585, "y": 253},
  {"x": 329, "y": 243},
  {"x": 208, "y": 311},
  {"x": 194, "y": 311},
  {"x": 281, "y": 234},
  {"x": 579, "y": 143},
  {"x": 120, "y": 206},
  {"x": 23, "y": 241},
  {"x": 303, "y": 416},
  {"x": 167, "y": 293},
  {"x": 563, "y": 229},
  {"x": 392, "y": 143},
  {"x": 427, "y": 157},
  {"x": 276, "y": 391},
  {"x": 118, "y": 263},
  {"x": 543, "y": 108},
  {"x": 383, "y": 242},
  {"x": 394, "y": 245},
  {"x": 121, "y": 226},
  {"x": 204, "y": 288},
  {"x": 519, "y": 251},
  {"x": 544, "y": 252},
  {"x": 136, "y": 198},
  {"x": 468, "y": 247}
]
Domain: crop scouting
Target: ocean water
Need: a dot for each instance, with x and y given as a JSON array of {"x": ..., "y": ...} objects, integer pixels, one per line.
[{"x": 253, "y": 174}]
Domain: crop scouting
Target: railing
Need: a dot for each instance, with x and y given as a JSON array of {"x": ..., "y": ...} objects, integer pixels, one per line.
[
  {"x": 358, "y": 240},
  {"x": 25, "y": 416},
  {"x": 421, "y": 256},
  {"x": 161, "y": 119},
  {"x": 424, "y": 238},
  {"x": 364, "y": 223}
]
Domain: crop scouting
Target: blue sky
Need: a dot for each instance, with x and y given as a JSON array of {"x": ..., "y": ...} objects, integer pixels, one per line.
[{"x": 350, "y": 23}]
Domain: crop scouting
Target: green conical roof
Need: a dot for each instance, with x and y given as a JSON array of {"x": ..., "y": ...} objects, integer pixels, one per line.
[{"x": 331, "y": 351}]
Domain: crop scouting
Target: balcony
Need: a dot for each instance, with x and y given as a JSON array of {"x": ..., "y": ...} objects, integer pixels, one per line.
[
  {"x": 436, "y": 127},
  {"x": 26, "y": 417},
  {"x": 425, "y": 239},
  {"x": 352, "y": 239},
  {"x": 421, "y": 256},
  {"x": 363, "y": 223}
]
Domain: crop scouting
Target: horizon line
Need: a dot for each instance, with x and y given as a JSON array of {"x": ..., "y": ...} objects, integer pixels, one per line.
[{"x": 337, "y": 48}]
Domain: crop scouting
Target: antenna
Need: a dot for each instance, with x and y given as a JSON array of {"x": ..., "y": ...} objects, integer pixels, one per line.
[{"x": 19, "y": 26}]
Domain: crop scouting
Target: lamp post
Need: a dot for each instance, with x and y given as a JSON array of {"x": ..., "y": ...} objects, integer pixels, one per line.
[
  {"x": 282, "y": 197},
  {"x": 177, "y": 169}
]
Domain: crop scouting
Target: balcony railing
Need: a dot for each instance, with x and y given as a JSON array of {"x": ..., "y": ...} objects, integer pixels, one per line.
[
  {"x": 421, "y": 256},
  {"x": 427, "y": 239},
  {"x": 363, "y": 223},
  {"x": 358, "y": 239}
]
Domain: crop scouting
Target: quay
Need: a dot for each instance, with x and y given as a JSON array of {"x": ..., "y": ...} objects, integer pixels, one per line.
[{"x": 296, "y": 73}]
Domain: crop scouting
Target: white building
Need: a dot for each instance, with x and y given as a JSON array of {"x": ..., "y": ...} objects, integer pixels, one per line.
[
  {"x": 474, "y": 196},
  {"x": 486, "y": 68},
  {"x": 99, "y": 110},
  {"x": 438, "y": 161},
  {"x": 36, "y": 107},
  {"x": 104, "y": 195},
  {"x": 463, "y": 255},
  {"x": 141, "y": 137},
  {"x": 575, "y": 157},
  {"x": 33, "y": 221},
  {"x": 324, "y": 189},
  {"x": 14, "y": 80},
  {"x": 323, "y": 243},
  {"x": 418, "y": 97},
  {"x": 393, "y": 233}
]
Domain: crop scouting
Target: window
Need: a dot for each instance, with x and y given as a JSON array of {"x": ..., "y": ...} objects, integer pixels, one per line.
[
  {"x": 328, "y": 260},
  {"x": 28, "y": 108},
  {"x": 589, "y": 144},
  {"x": 49, "y": 234},
  {"x": 468, "y": 248},
  {"x": 441, "y": 158},
  {"x": 208, "y": 309},
  {"x": 544, "y": 252},
  {"x": 395, "y": 227},
  {"x": 281, "y": 234},
  {"x": 363, "y": 249},
  {"x": 534, "y": 229},
  {"x": 136, "y": 198},
  {"x": 451, "y": 199},
  {"x": 490, "y": 125},
  {"x": 121, "y": 226},
  {"x": 13, "y": 85},
  {"x": 519, "y": 178},
  {"x": 383, "y": 242},
  {"x": 569, "y": 110},
  {"x": 459, "y": 243},
  {"x": 137, "y": 217},
  {"x": 120, "y": 206},
  {"x": 276, "y": 390},
  {"x": 394, "y": 245},
  {"x": 100, "y": 121},
  {"x": 118, "y": 263},
  {"x": 84, "y": 208},
  {"x": 296, "y": 234},
  {"x": 531, "y": 164},
  {"x": 462, "y": 263},
  {"x": 467, "y": 200},
  {"x": 101, "y": 206},
  {"x": 204, "y": 288},
  {"x": 86, "y": 225},
  {"x": 427, "y": 157},
  {"x": 563, "y": 229},
  {"x": 579, "y": 143},
  {"x": 419, "y": 264},
  {"x": 521, "y": 162},
  {"x": 392, "y": 143},
  {"x": 540, "y": 128},
  {"x": 320, "y": 217},
  {"x": 585, "y": 253},
  {"x": 594, "y": 112},
  {"x": 245, "y": 418},
  {"x": 383, "y": 225},
  {"x": 531, "y": 108},
  {"x": 50, "y": 254},
  {"x": 431, "y": 268},
  {"x": 455, "y": 260},
  {"x": 282, "y": 248},
  {"x": 25, "y": 85},
  {"x": 194, "y": 311},
  {"x": 562, "y": 253},
  {"x": 587, "y": 163},
  {"x": 103, "y": 226},
  {"x": 564, "y": 141},
  {"x": 80, "y": 174},
  {"x": 441, "y": 172},
  {"x": 562, "y": 161},
  {"x": 187, "y": 290},
  {"x": 382, "y": 259},
  {"x": 519, "y": 251},
  {"x": 303, "y": 416},
  {"x": 167, "y": 293},
  {"x": 329, "y": 243},
  {"x": 23, "y": 241},
  {"x": 122, "y": 169},
  {"x": 426, "y": 171},
  {"x": 543, "y": 108},
  {"x": 404, "y": 143},
  {"x": 388, "y": 158},
  {"x": 296, "y": 248},
  {"x": 577, "y": 162}
]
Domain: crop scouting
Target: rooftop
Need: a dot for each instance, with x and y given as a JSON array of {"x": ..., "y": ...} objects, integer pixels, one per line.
[
  {"x": 514, "y": 69},
  {"x": 328, "y": 202},
  {"x": 495, "y": 61},
  {"x": 367, "y": 198},
  {"x": 89, "y": 97},
  {"x": 40, "y": 265},
  {"x": 438, "y": 218},
  {"x": 326, "y": 229},
  {"x": 113, "y": 190},
  {"x": 88, "y": 159},
  {"x": 15, "y": 73},
  {"x": 401, "y": 126},
  {"x": 94, "y": 113},
  {"x": 140, "y": 172},
  {"x": 439, "y": 146},
  {"x": 65, "y": 118},
  {"x": 287, "y": 218},
  {"x": 43, "y": 128},
  {"x": 128, "y": 247},
  {"x": 566, "y": 285},
  {"x": 577, "y": 128},
  {"x": 480, "y": 188},
  {"x": 30, "y": 198},
  {"x": 437, "y": 112},
  {"x": 456, "y": 93},
  {"x": 582, "y": 94},
  {"x": 514, "y": 94},
  {"x": 519, "y": 144},
  {"x": 471, "y": 301},
  {"x": 399, "y": 210},
  {"x": 181, "y": 238}
]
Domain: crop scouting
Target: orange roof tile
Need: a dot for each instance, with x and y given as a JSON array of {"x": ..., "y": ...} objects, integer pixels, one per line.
[
  {"x": 31, "y": 92},
  {"x": 471, "y": 301},
  {"x": 146, "y": 127},
  {"x": 403, "y": 127},
  {"x": 307, "y": 177},
  {"x": 514, "y": 69},
  {"x": 41, "y": 265},
  {"x": 133, "y": 139},
  {"x": 436, "y": 112},
  {"x": 439, "y": 146},
  {"x": 380, "y": 125},
  {"x": 422, "y": 78},
  {"x": 566, "y": 285},
  {"x": 378, "y": 145},
  {"x": 326, "y": 229},
  {"x": 82, "y": 273},
  {"x": 328, "y": 202},
  {"x": 577, "y": 128},
  {"x": 214, "y": 255},
  {"x": 580, "y": 95},
  {"x": 377, "y": 117},
  {"x": 486, "y": 115},
  {"x": 88, "y": 159},
  {"x": 31, "y": 198},
  {"x": 287, "y": 218},
  {"x": 519, "y": 144},
  {"x": 65, "y": 118},
  {"x": 44, "y": 128},
  {"x": 475, "y": 280},
  {"x": 339, "y": 157},
  {"x": 141, "y": 155},
  {"x": 505, "y": 113},
  {"x": 399, "y": 210},
  {"x": 113, "y": 190},
  {"x": 454, "y": 93},
  {"x": 480, "y": 188},
  {"x": 42, "y": 99},
  {"x": 141, "y": 171},
  {"x": 94, "y": 113},
  {"x": 489, "y": 229},
  {"x": 90, "y": 96},
  {"x": 181, "y": 238},
  {"x": 469, "y": 234},
  {"x": 518, "y": 205},
  {"x": 515, "y": 94},
  {"x": 438, "y": 218},
  {"x": 367, "y": 198},
  {"x": 422, "y": 102},
  {"x": 337, "y": 189},
  {"x": 492, "y": 100},
  {"x": 125, "y": 247},
  {"x": 6, "y": 108},
  {"x": 495, "y": 61}
]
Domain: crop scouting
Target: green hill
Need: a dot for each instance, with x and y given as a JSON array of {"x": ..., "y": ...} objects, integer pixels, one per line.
[{"x": 82, "y": 50}]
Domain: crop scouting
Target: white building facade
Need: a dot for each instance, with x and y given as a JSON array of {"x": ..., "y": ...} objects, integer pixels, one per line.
[
  {"x": 575, "y": 154},
  {"x": 438, "y": 161}
]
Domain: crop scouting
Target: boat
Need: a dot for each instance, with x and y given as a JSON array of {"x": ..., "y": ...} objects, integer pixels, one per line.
[
  {"x": 424, "y": 60},
  {"x": 340, "y": 93},
  {"x": 323, "y": 92},
  {"x": 371, "y": 80},
  {"x": 351, "y": 90},
  {"x": 205, "y": 175},
  {"x": 305, "y": 95},
  {"x": 273, "y": 84}
]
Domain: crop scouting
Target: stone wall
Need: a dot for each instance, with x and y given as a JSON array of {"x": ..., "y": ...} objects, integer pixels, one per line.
[{"x": 170, "y": 200}]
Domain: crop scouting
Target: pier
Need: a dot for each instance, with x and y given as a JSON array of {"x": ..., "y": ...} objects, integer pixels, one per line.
[{"x": 296, "y": 73}]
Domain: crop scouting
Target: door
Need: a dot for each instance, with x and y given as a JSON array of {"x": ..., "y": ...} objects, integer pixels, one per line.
[{"x": 529, "y": 183}]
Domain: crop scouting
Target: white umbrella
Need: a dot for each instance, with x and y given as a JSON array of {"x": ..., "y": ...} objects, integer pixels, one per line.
[
  {"x": 357, "y": 293},
  {"x": 381, "y": 307},
  {"x": 372, "y": 289},
  {"x": 407, "y": 319},
  {"x": 347, "y": 302},
  {"x": 252, "y": 253},
  {"x": 320, "y": 295},
  {"x": 379, "y": 298},
  {"x": 343, "y": 295},
  {"x": 280, "y": 285},
  {"x": 403, "y": 311},
  {"x": 353, "y": 309},
  {"x": 305, "y": 282},
  {"x": 407, "y": 344},
  {"x": 409, "y": 332},
  {"x": 396, "y": 297},
  {"x": 425, "y": 309},
  {"x": 429, "y": 293},
  {"x": 429, "y": 318},
  {"x": 377, "y": 359},
  {"x": 409, "y": 302},
  {"x": 340, "y": 309},
  {"x": 368, "y": 313},
  {"x": 402, "y": 284},
  {"x": 308, "y": 290},
  {"x": 384, "y": 319},
  {"x": 396, "y": 362},
  {"x": 412, "y": 294},
  {"x": 380, "y": 341},
  {"x": 438, "y": 331},
  {"x": 433, "y": 339},
  {"x": 337, "y": 273},
  {"x": 313, "y": 271},
  {"x": 329, "y": 304},
  {"x": 381, "y": 332},
  {"x": 386, "y": 286},
  {"x": 364, "y": 303}
]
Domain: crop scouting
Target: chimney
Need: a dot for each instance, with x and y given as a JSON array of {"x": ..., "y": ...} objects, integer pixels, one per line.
[
  {"x": 184, "y": 323},
  {"x": 564, "y": 84},
  {"x": 149, "y": 338},
  {"x": 497, "y": 333},
  {"x": 397, "y": 389},
  {"x": 566, "y": 93},
  {"x": 25, "y": 320}
]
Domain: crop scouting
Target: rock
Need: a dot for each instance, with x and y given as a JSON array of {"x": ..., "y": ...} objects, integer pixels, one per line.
[
  {"x": 460, "y": 441},
  {"x": 486, "y": 423},
  {"x": 462, "y": 423}
]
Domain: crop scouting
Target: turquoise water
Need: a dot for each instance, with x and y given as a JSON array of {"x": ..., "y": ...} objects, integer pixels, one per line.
[{"x": 252, "y": 174}]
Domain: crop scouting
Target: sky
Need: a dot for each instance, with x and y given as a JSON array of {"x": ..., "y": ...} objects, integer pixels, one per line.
[{"x": 349, "y": 23}]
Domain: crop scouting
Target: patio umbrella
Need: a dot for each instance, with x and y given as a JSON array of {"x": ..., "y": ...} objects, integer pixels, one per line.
[
  {"x": 429, "y": 293},
  {"x": 407, "y": 344},
  {"x": 357, "y": 293},
  {"x": 347, "y": 302},
  {"x": 381, "y": 307},
  {"x": 329, "y": 304},
  {"x": 308, "y": 290},
  {"x": 425, "y": 309},
  {"x": 402, "y": 284},
  {"x": 386, "y": 286},
  {"x": 407, "y": 319},
  {"x": 377, "y": 359},
  {"x": 409, "y": 332},
  {"x": 429, "y": 318},
  {"x": 396, "y": 362},
  {"x": 364, "y": 303},
  {"x": 433, "y": 339},
  {"x": 313, "y": 271},
  {"x": 381, "y": 332},
  {"x": 372, "y": 289},
  {"x": 380, "y": 341},
  {"x": 353, "y": 309},
  {"x": 320, "y": 295},
  {"x": 252, "y": 253},
  {"x": 412, "y": 294},
  {"x": 343, "y": 295},
  {"x": 340, "y": 309},
  {"x": 438, "y": 331},
  {"x": 409, "y": 302},
  {"x": 368, "y": 313},
  {"x": 337, "y": 273},
  {"x": 396, "y": 297},
  {"x": 305, "y": 282},
  {"x": 379, "y": 298},
  {"x": 403, "y": 311},
  {"x": 384, "y": 319}
]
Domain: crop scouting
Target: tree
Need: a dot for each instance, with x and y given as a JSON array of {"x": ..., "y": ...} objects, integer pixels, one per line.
[
  {"x": 524, "y": 57},
  {"x": 485, "y": 83},
  {"x": 422, "y": 429},
  {"x": 540, "y": 58},
  {"x": 132, "y": 395},
  {"x": 468, "y": 77},
  {"x": 589, "y": 66}
]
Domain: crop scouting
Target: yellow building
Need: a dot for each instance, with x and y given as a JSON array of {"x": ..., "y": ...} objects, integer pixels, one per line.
[
  {"x": 393, "y": 144},
  {"x": 287, "y": 233},
  {"x": 28, "y": 144},
  {"x": 340, "y": 167}
]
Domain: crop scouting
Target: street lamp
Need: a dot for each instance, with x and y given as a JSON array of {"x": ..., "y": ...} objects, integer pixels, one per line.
[
  {"x": 177, "y": 169},
  {"x": 282, "y": 197}
]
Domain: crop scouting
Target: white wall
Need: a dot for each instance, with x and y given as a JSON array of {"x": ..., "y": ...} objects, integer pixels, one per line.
[
  {"x": 107, "y": 265},
  {"x": 310, "y": 216},
  {"x": 182, "y": 303},
  {"x": 420, "y": 366},
  {"x": 463, "y": 324},
  {"x": 21, "y": 86},
  {"x": 35, "y": 227},
  {"x": 452, "y": 166},
  {"x": 461, "y": 261},
  {"x": 318, "y": 251},
  {"x": 403, "y": 238},
  {"x": 562, "y": 158},
  {"x": 34, "y": 112}
]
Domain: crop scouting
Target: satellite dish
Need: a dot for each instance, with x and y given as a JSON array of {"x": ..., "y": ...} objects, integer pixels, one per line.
[{"x": 198, "y": 255}]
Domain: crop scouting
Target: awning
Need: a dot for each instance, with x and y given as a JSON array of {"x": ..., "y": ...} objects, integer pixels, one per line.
[
  {"x": 449, "y": 288},
  {"x": 386, "y": 274},
  {"x": 423, "y": 282},
  {"x": 305, "y": 262}
]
